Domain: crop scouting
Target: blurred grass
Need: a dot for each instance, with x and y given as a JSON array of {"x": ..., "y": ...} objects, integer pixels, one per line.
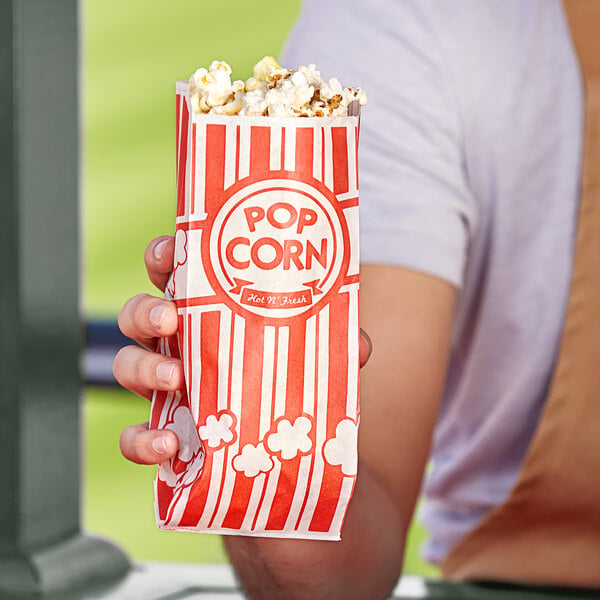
[
  {"x": 133, "y": 52},
  {"x": 118, "y": 495}
]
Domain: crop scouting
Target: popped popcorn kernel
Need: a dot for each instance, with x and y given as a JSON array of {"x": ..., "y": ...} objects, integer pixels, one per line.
[
  {"x": 219, "y": 65},
  {"x": 264, "y": 67},
  {"x": 272, "y": 91}
]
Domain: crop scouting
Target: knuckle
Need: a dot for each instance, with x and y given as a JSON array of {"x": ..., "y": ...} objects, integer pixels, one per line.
[
  {"x": 127, "y": 314},
  {"x": 118, "y": 362},
  {"x": 125, "y": 442}
]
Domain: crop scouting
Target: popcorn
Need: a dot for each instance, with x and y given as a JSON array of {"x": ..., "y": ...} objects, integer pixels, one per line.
[
  {"x": 272, "y": 91},
  {"x": 266, "y": 281}
]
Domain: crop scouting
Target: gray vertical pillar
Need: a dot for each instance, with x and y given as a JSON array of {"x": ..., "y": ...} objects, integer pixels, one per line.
[{"x": 41, "y": 547}]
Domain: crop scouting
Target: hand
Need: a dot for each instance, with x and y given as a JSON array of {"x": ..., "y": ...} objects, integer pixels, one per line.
[{"x": 145, "y": 318}]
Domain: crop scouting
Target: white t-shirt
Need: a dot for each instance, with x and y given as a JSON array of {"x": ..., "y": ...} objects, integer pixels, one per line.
[{"x": 470, "y": 152}]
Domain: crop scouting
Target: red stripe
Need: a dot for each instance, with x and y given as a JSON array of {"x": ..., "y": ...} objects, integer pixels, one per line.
[
  {"x": 336, "y": 409},
  {"x": 197, "y": 498},
  {"x": 260, "y": 149},
  {"x": 295, "y": 369},
  {"x": 209, "y": 375},
  {"x": 237, "y": 153},
  {"x": 356, "y": 154},
  {"x": 304, "y": 152},
  {"x": 210, "y": 323},
  {"x": 282, "y": 148},
  {"x": 189, "y": 225},
  {"x": 230, "y": 377},
  {"x": 349, "y": 279},
  {"x": 182, "y": 161},
  {"x": 215, "y": 167},
  {"x": 274, "y": 384},
  {"x": 190, "y": 358},
  {"x": 322, "y": 154},
  {"x": 316, "y": 393},
  {"x": 178, "y": 99},
  {"x": 340, "y": 159},
  {"x": 160, "y": 397},
  {"x": 260, "y": 501},
  {"x": 286, "y": 484},
  {"x": 199, "y": 300},
  {"x": 249, "y": 419},
  {"x": 193, "y": 183},
  {"x": 164, "y": 493},
  {"x": 350, "y": 203}
]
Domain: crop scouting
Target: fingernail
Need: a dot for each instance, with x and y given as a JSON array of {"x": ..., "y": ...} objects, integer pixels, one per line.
[
  {"x": 164, "y": 371},
  {"x": 156, "y": 315},
  {"x": 159, "y": 444},
  {"x": 367, "y": 339},
  {"x": 159, "y": 249}
]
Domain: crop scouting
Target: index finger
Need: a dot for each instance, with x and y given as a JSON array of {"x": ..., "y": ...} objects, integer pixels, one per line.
[{"x": 158, "y": 258}]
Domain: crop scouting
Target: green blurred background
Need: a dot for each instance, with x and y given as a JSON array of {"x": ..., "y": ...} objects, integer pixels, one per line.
[{"x": 132, "y": 53}]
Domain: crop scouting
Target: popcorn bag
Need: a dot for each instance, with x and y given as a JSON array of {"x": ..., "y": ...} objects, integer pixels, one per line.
[{"x": 266, "y": 285}]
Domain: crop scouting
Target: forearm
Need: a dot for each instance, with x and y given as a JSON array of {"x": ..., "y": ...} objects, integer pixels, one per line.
[{"x": 365, "y": 564}]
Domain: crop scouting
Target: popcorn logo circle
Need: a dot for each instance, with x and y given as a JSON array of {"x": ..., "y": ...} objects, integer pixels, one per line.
[{"x": 279, "y": 248}]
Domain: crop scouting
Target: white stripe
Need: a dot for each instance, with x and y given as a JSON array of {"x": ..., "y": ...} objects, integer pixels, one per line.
[
  {"x": 309, "y": 366},
  {"x": 275, "y": 157},
  {"x": 173, "y": 399},
  {"x": 266, "y": 398},
  {"x": 282, "y": 368},
  {"x": 180, "y": 115},
  {"x": 213, "y": 487},
  {"x": 351, "y": 141},
  {"x": 308, "y": 407},
  {"x": 344, "y": 499},
  {"x": 347, "y": 196},
  {"x": 321, "y": 420},
  {"x": 317, "y": 150},
  {"x": 236, "y": 408},
  {"x": 237, "y": 365},
  {"x": 192, "y": 379},
  {"x": 200, "y": 178},
  {"x": 257, "y": 488},
  {"x": 353, "y": 356},
  {"x": 349, "y": 287},
  {"x": 244, "y": 166},
  {"x": 289, "y": 158},
  {"x": 230, "y": 152},
  {"x": 164, "y": 415},
  {"x": 278, "y": 411},
  {"x": 228, "y": 484},
  {"x": 299, "y": 493},
  {"x": 186, "y": 218},
  {"x": 223, "y": 378},
  {"x": 188, "y": 162},
  {"x": 308, "y": 535},
  {"x": 265, "y": 508},
  {"x": 352, "y": 221},
  {"x": 328, "y": 164},
  {"x": 179, "y": 508}
]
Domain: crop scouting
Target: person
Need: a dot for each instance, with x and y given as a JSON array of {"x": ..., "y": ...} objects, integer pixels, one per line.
[{"x": 470, "y": 155}]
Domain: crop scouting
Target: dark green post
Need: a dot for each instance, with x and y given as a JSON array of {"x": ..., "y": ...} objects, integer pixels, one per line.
[{"x": 41, "y": 547}]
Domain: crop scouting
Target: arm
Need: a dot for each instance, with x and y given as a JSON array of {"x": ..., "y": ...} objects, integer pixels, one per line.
[{"x": 408, "y": 316}]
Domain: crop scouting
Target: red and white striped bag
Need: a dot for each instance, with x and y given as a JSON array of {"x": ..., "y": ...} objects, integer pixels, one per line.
[{"x": 266, "y": 284}]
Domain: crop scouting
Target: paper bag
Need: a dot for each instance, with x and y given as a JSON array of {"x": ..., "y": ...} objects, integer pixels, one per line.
[{"x": 266, "y": 285}]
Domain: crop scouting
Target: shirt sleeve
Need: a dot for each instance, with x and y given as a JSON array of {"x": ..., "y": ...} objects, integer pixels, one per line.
[{"x": 416, "y": 209}]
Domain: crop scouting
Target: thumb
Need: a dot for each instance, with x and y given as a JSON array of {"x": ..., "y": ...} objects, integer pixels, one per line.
[{"x": 365, "y": 348}]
